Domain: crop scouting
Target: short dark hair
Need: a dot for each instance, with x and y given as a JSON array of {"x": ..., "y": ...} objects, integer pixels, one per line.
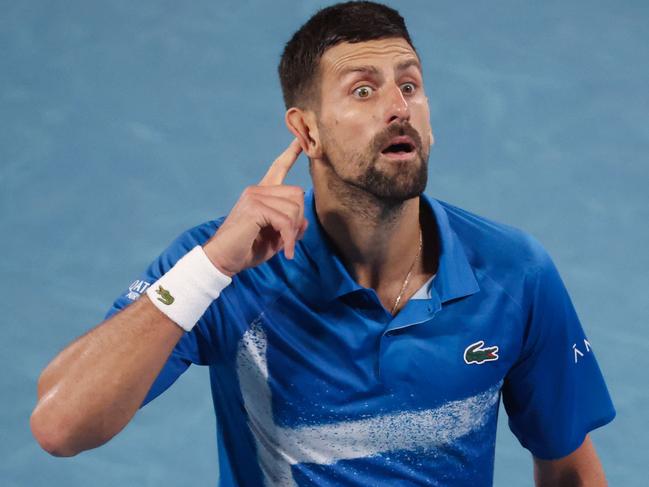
[{"x": 342, "y": 22}]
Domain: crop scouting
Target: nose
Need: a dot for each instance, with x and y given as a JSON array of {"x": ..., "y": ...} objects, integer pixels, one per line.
[{"x": 397, "y": 108}]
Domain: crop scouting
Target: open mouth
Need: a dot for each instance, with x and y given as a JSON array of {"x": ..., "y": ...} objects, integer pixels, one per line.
[{"x": 399, "y": 146}]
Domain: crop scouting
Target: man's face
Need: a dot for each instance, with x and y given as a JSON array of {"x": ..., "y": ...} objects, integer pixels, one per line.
[{"x": 373, "y": 119}]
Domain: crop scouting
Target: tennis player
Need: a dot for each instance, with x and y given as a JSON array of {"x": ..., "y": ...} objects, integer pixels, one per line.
[{"x": 359, "y": 333}]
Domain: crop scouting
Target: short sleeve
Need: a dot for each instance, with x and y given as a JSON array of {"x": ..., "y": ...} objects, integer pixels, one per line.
[
  {"x": 555, "y": 393},
  {"x": 195, "y": 347}
]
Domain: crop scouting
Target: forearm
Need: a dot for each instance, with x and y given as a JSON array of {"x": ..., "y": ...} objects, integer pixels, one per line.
[
  {"x": 572, "y": 479},
  {"x": 582, "y": 468},
  {"x": 93, "y": 388}
]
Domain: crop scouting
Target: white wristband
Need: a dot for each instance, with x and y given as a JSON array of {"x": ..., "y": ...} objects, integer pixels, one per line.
[{"x": 186, "y": 291}]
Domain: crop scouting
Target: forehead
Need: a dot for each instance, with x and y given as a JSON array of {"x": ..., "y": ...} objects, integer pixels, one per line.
[{"x": 391, "y": 51}]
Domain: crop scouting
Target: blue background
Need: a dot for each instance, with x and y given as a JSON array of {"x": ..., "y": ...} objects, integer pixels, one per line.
[{"x": 123, "y": 123}]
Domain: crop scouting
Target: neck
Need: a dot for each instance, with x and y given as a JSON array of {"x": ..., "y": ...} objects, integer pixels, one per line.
[{"x": 377, "y": 240}]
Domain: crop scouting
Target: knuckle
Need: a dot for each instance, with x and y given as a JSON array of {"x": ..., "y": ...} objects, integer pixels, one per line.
[
  {"x": 295, "y": 207},
  {"x": 283, "y": 220},
  {"x": 289, "y": 208},
  {"x": 297, "y": 214},
  {"x": 248, "y": 191},
  {"x": 249, "y": 199},
  {"x": 296, "y": 194}
]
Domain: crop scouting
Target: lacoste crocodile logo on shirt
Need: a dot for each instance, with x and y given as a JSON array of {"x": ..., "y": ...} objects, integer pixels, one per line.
[
  {"x": 475, "y": 354},
  {"x": 165, "y": 296}
]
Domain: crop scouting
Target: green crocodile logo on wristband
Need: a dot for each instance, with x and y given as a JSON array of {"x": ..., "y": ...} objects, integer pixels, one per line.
[{"x": 165, "y": 297}]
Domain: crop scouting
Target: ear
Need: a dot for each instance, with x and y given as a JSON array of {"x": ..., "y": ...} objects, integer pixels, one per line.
[
  {"x": 302, "y": 124},
  {"x": 432, "y": 137}
]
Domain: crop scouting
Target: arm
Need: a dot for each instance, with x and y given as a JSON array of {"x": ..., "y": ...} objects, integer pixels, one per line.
[
  {"x": 93, "y": 388},
  {"x": 579, "y": 469},
  {"x": 555, "y": 392}
]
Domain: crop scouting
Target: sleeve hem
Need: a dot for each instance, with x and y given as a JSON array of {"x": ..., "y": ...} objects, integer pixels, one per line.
[{"x": 573, "y": 445}]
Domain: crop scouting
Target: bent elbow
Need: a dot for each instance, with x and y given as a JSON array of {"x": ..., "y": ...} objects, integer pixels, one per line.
[{"x": 52, "y": 439}]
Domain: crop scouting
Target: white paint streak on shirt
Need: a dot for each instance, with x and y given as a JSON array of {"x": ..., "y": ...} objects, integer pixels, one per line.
[{"x": 280, "y": 447}]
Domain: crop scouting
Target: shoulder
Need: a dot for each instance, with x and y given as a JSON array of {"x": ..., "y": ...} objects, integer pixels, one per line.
[
  {"x": 505, "y": 259},
  {"x": 201, "y": 233},
  {"x": 495, "y": 245},
  {"x": 187, "y": 240}
]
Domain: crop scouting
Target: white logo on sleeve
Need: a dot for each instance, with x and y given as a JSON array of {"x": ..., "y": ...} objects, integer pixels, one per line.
[
  {"x": 578, "y": 353},
  {"x": 136, "y": 289},
  {"x": 280, "y": 447}
]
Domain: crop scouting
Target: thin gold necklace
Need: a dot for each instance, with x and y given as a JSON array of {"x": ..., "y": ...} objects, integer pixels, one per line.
[{"x": 407, "y": 279}]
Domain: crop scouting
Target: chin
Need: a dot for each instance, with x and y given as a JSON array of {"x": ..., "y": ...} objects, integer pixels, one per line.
[
  {"x": 389, "y": 191},
  {"x": 409, "y": 182}
]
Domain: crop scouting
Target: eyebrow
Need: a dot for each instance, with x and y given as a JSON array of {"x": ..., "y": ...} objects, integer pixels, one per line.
[
  {"x": 366, "y": 69},
  {"x": 402, "y": 66},
  {"x": 358, "y": 69}
]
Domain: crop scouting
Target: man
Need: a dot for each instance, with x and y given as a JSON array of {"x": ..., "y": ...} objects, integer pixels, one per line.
[{"x": 374, "y": 349}]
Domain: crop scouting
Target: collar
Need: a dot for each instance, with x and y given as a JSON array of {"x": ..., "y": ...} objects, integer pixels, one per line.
[{"x": 454, "y": 279}]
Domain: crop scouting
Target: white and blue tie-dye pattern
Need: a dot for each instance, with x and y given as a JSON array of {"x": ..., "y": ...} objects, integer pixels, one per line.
[{"x": 279, "y": 447}]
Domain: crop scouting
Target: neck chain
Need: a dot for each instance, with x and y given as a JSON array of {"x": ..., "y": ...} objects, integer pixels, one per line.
[{"x": 407, "y": 279}]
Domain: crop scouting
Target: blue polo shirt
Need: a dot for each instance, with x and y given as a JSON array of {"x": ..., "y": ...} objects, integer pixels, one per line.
[{"x": 315, "y": 383}]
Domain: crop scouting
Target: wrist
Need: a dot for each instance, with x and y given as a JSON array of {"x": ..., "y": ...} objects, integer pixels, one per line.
[
  {"x": 186, "y": 291},
  {"x": 215, "y": 258}
]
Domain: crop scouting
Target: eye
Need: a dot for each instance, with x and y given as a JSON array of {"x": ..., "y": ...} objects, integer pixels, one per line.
[
  {"x": 408, "y": 88},
  {"x": 363, "y": 91}
]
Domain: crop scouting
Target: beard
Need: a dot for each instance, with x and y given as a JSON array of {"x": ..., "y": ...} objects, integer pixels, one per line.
[{"x": 393, "y": 182}]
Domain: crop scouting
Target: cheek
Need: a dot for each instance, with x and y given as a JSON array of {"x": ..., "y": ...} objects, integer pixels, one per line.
[
  {"x": 349, "y": 129},
  {"x": 420, "y": 119},
  {"x": 419, "y": 108}
]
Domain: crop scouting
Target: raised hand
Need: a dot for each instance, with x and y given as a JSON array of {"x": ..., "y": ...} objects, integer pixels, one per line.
[{"x": 266, "y": 218}]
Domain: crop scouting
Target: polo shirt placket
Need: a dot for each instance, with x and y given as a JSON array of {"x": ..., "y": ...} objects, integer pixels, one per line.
[{"x": 453, "y": 280}]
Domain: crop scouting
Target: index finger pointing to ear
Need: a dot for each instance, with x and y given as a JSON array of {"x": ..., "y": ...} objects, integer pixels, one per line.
[{"x": 282, "y": 165}]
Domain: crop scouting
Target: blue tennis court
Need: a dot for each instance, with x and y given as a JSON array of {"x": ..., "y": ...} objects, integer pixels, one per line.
[{"x": 125, "y": 123}]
